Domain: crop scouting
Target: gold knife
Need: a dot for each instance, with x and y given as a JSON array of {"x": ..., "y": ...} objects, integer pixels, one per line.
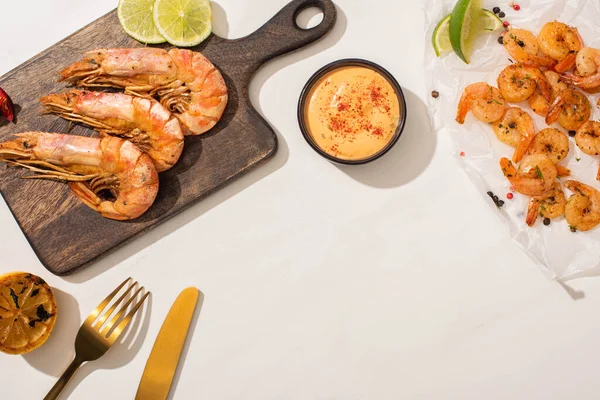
[{"x": 162, "y": 363}]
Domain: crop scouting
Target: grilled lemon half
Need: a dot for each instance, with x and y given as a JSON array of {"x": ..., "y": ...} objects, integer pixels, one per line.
[{"x": 27, "y": 312}]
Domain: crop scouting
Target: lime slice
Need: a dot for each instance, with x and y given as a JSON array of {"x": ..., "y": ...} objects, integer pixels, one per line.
[
  {"x": 441, "y": 36},
  {"x": 137, "y": 19},
  {"x": 464, "y": 27},
  {"x": 183, "y": 23}
]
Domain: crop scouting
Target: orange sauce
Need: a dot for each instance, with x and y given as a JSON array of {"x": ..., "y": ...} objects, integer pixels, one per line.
[{"x": 352, "y": 113}]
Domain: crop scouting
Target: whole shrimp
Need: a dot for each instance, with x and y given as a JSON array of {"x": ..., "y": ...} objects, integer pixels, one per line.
[
  {"x": 588, "y": 68},
  {"x": 583, "y": 208},
  {"x": 523, "y": 46},
  {"x": 538, "y": 103},
  {"x": 535, "y": 176},
  {"x": 570, "y": 108},
  {"x": 186, "y": 82},
  {"x": 91, "y": 166},
  {"x": 552, "y": 143},
  {"x": 560, "y": 42},
  {"x": 588, "y": 139},
  {"x": 548, "y": 205},
  {"x": 484, "y": 101},
  {"x": 518, "y": 82},
  {"x": 516, "y": 129},
  {"x": 145, "y": 122}
]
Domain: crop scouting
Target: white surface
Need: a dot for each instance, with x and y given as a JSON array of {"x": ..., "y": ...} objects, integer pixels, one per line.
[{"x": 390, "y": 281}]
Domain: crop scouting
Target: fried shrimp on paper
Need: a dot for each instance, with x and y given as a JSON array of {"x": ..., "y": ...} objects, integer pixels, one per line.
[
  {"x": 522, "y": 45},
  {"x": 519, "y": 82},
  {"x": 534, "y": 177},
  {"x": 560, "y": 42},
  {"x": 484, "y": 101}
]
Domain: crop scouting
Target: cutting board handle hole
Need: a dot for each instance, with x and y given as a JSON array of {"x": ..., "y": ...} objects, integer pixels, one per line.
[{"x": 309, "y": 18}]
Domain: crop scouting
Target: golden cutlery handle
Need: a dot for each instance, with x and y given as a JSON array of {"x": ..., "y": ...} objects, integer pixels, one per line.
[{"x": 64, "y": 379}]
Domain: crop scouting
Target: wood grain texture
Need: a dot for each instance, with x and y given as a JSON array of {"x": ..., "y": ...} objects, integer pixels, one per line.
[{"x": 65, "y": 234}]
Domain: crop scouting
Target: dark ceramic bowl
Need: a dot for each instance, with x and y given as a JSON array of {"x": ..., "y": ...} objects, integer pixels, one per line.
[{"x": 352, "y": 62}]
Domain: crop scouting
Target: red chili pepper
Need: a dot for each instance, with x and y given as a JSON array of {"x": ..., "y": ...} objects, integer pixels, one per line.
[
  {"x": 6, "y": 106},
  {"x": 510, "y": 196}
]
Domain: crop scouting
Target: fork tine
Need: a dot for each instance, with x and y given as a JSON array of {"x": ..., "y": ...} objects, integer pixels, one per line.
[
  {"x": 123, "y": 324},
  {"x": 107, "y": 314},
  {"x": 92, "y": 317},
  {"x": 122, "y": 310}
]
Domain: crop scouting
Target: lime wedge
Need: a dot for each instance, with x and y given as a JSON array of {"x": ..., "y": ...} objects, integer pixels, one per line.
[
  {"x": 464, "y": 27},
  {"x": 484, "y": 21},
  {"x": 183, "y": 23},
  {"x": 441, "y": 36},
  {"x": 137, "y": 19},
  {"x": 488, "y": 21}
]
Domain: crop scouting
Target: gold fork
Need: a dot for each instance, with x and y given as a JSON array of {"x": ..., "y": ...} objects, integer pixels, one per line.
[{"x": 93, "y": 340}]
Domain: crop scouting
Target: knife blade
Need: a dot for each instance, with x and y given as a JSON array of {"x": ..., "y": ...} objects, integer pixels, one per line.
[{"x": 164, "y": 358}]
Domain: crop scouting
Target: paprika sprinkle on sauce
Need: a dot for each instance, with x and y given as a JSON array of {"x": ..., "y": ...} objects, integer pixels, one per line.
[{"x": 352, "y": 113}]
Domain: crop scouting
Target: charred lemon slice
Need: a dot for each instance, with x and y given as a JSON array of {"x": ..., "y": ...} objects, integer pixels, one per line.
[{"x": 27, "y": 312}]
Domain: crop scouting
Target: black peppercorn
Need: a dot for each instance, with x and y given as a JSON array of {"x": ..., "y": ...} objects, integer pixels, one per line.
[
  {"x": 496, "y": 10},
  {"x": 501, "y": 14},
  {"x": 501, "y": 40},
  {"x": 572, "y": 133},
  {"x": 435, "y": 94},
  {"x": 546, "y": 221}
]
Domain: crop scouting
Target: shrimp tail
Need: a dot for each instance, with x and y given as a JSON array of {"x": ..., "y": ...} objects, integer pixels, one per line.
[
  {"x": 527, "y": 136},
  {"x": 508, "y": 169},
  {"x": 538, "y": 61},
  {"x": 562, "y": 172},
  {"x": 532, "y": 212},
  {"x": 523, "y": 147},
  {"x": 545, "y": 87},
  {"x": 93, "y": 201},
  {"x": 463, "y": 108},
  {"x": 85, "y": 194},
  {"x": 567, "y": 63},
  {"x": 571, "y": 78},
  {"x": 588, "y": 82},
  {"x": 532, "y": 61},
  {"x": 571, "y": 59},
  {"x": 555, "y": 110},
  {"x": 574, "y": 186}
]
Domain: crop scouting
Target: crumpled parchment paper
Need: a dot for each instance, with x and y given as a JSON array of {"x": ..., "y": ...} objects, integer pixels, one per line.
[{"x": 559, "y": 252}]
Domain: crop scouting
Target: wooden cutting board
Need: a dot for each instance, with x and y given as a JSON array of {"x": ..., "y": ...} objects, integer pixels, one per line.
[{"x": 65, "y": 234}]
